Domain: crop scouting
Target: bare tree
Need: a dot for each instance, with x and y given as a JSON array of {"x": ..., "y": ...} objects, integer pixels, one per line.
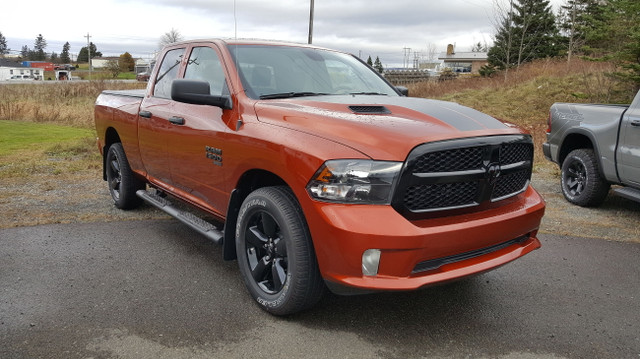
[
  {"x": 170, "y": 37},
  {"x": 503, "y": 23},
  {"x": 431, "y": 52},
  {"x": 114, "y": 68}
]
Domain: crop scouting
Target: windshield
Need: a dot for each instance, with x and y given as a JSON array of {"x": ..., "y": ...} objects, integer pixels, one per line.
[{"x": 269, "y": 72}]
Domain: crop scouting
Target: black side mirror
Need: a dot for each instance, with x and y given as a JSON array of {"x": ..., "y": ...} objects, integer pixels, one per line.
[
  {"x": 197, "y": 92},
  {"x": 403, "y": 91}
]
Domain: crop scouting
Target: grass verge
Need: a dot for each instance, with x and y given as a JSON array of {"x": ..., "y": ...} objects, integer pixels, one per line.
[{"x": 28, "y": 148}]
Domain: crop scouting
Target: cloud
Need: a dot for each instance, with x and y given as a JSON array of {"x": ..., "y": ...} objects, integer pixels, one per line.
[{"x": 371, "y": 27}]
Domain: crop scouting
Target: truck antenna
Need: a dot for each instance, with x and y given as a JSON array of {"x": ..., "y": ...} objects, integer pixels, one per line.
[{"x": 235, "y": 21}]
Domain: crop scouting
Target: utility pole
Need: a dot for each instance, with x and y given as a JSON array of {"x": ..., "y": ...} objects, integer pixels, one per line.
[
  {"x": 416, "y": 59},
  {"x": 89, "y": 53},
  {"x": 407, "y": 55},
  {"x": 311, "y": 23}
]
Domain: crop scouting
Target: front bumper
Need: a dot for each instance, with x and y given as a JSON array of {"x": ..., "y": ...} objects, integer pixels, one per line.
[{"x": 419, "y": 253}]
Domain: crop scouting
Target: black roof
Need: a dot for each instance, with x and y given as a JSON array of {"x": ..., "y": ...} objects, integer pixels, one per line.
[{"x": 10, "y": 63}]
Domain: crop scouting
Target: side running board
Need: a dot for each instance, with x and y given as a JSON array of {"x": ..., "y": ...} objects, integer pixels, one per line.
[
  {"x": 201, "y": 226},
  {"x": 628, "y": 193}
]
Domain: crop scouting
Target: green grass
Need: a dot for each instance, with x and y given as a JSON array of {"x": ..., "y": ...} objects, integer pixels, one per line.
[{"x": 19, "y": 136}]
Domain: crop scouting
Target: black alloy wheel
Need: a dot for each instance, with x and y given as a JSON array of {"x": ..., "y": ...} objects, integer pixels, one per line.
[
  {"x": 581, "y": 181},
  {"x": 122, "y": 182},
  {"x": 266, "y": 252},
  {"x": 275, "y": 252},
  {"x": 575, "y": 178}
]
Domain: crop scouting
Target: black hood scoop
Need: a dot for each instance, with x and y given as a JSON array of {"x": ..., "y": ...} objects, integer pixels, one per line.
[{"x": 370, "y": 110}]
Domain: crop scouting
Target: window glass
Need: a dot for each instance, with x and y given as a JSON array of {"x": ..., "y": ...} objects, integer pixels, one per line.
[
  {"x": 205, "y": 65},
  {"x": 271, "y": 70},
  {"x": 167, "y": 73}
]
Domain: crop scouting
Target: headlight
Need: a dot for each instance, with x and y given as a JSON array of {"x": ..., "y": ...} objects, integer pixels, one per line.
[{"x": 355, "y": 181}]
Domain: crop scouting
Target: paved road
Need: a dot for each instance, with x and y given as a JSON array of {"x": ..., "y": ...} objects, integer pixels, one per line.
[{"x": 154, "y": 289}]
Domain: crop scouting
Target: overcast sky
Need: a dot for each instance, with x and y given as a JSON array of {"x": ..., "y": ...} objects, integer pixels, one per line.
[{"x": 363, "y": 27}]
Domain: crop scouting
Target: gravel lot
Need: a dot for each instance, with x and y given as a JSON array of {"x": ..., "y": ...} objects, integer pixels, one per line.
[{"x": 83, "y": 197}]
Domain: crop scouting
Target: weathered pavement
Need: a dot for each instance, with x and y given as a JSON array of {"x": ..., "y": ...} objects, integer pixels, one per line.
[{"x": 155, "y": 289}]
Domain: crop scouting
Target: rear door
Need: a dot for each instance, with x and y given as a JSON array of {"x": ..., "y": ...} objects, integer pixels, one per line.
[
  {"x": 629, "y": 146},
  {"x": 154, "y": 128},
  {"x": 196, "y": 148}
]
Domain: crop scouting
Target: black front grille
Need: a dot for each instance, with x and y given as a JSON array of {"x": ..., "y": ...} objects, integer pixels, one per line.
[
  {"x": 515, "y": 152},
  {"x": 458, "y": 159},
  {"x": 510, "y": 183},
  {"x": 440, "y": 195},
  {"x": 463, "y": 173}
]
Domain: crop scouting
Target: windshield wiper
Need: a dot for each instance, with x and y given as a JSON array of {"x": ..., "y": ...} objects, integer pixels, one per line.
[
  {"x": 367, "y": 93},
  {"x": 289, "y": 95}
]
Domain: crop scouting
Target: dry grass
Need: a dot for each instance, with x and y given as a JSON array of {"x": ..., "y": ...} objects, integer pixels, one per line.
[
  {"x": 65, "y": 103},
  {"x": 577, "y": 81}
]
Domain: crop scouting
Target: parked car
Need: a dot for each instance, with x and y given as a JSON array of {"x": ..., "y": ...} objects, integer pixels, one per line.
[
  {"x": 143, "y": 76},
  {"x": 22, "y": 78},
  {"x": 596, "y": 146}
]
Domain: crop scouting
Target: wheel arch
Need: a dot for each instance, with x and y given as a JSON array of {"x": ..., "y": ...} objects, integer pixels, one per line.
[
  {"x": 576, "y": 140},
  {"x": 249, "y": 181},
  {"x": 110, "y": 137}
]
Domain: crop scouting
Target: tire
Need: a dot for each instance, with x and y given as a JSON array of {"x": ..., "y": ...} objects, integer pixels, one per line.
[
  {"x": 275, "y": 252},
  {"x": 581, "y": 181},
  {"x": 122, "y": 182}
]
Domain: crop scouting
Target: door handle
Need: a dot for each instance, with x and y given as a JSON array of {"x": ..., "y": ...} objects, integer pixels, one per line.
[
  {"x": 145, "y": 114},
  {"x": 635, "y": 123},
  {"x": 177, "y": 120}
]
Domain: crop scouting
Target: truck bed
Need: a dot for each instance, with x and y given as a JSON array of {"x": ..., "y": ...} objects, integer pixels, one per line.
[{"x": 129, "y": 93}]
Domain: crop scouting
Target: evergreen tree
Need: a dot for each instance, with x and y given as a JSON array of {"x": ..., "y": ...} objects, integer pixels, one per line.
[
  {"x": 480, "y": 47},
  {"x": 24, "y": 52},
  {"x": 39, "y": 46},
  {"x": 53, "y": 58},
  {"x": 378, "y": 65},
  {"x": 571, "y": 25},
  {"x": 3, "y": 46},
  {"x": 526, "y": 31},
  {"x": 64, "y": 55},
  {"x": 369, "y": 61},
  {"x": 606, "y": 31},
  {"x": 625, "y": 43},
  {"x": 83, "y": 55}
]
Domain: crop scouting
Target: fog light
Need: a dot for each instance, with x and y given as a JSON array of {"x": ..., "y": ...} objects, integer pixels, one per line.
[{"x": 370, "y": 262}]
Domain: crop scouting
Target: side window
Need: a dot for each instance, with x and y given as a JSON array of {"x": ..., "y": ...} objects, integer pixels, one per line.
[
  {"x": 167, "y": 73},
  {"x": 205, "y": 65}
]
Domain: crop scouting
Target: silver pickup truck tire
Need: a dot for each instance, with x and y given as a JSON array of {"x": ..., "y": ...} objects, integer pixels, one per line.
[{"x": 581, "y": 181}]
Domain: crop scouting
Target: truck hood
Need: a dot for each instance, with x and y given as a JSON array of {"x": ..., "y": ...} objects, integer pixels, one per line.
[{"x": 381, "y": 127}]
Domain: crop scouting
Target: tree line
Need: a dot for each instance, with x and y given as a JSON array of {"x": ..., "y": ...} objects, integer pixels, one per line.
[
  {"x": 598, "y": 30},
  {"x": 38, "y": 53}
]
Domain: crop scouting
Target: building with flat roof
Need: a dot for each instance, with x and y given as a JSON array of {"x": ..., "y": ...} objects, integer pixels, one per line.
[
  {"x": 15, "y": 71},
  {"x": 463, "y": 62}
]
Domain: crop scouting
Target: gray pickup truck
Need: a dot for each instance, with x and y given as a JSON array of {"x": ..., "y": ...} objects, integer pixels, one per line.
[{"x": 595, "y": 146}]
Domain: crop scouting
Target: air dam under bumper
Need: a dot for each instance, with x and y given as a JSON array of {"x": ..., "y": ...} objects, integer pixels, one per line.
[{"x": 414, "y": 254}]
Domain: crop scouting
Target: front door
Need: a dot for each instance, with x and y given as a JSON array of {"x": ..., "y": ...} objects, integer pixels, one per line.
[
  {"x": 196, "y": 147},
  {"x": 154, "y": 128},
  {"x": 629, "y": 146}
]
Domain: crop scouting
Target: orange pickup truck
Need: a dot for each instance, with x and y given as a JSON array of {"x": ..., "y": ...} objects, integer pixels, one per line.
[{"x": 314, "y": 172}]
